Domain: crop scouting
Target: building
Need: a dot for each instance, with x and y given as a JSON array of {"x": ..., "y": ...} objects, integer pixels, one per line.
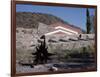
[{"x": 64, "y": 29}]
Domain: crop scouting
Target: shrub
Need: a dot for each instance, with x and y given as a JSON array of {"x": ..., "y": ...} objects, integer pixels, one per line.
[{"x": 83, "y": 52}]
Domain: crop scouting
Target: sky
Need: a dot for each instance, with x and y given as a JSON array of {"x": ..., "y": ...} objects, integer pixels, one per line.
[{"x": 73, "y": 15}]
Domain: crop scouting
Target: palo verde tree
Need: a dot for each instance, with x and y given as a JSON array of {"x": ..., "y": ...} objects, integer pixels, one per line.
[
  {"x": 88, "y": 22},
  {"x": 41, "y": 54}
]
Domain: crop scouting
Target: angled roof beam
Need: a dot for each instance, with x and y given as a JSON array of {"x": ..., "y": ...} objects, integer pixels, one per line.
[
  {"x": 72, "y": 31},
  {"x": 50, "y": 33}
]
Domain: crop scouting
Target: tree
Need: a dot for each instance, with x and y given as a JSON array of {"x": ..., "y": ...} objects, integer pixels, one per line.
[
  {"x": 92, "y": 19},
  {"x": 88, "y": 23},
  {"x": 41, "y": 54}
]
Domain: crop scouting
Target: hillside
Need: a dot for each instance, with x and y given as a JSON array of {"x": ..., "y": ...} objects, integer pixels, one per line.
[{"x": 31, "y": 20}]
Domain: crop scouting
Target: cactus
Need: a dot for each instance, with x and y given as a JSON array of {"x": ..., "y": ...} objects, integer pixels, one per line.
[{"x": 41, "y": 54}]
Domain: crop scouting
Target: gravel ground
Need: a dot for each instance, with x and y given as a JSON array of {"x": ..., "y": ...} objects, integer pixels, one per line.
[
  {"x": 38, "y": 68},
  {"x": 50, "y": 67}
]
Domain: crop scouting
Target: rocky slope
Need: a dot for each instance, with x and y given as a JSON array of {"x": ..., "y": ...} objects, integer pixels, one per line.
[{"x": 31, "y": 20}]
